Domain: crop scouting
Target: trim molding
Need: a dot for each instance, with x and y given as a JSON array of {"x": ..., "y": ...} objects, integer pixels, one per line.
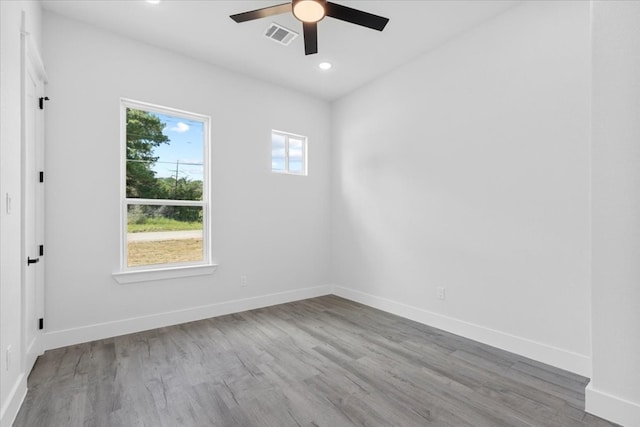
[
  {"x": 570, "y": 361},
  {"x": 14, "y": 401},
  {"x": 115, "y": 328},
  {"x": 135, "y": 276},
  {"x": 611, "y": 407},
  {"x": 560, "y": 358}
]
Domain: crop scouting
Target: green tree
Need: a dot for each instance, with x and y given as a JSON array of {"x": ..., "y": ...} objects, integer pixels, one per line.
[
  {"x": 180, "y": 189},
  {"x": 144, "y": 134}
]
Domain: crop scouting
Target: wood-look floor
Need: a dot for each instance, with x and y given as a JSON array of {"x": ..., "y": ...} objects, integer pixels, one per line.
[{"x": 319, "y": 362}]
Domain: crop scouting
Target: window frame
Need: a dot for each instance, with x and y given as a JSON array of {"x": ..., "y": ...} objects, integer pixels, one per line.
[
  {"x": 305, "y": 151},
  {"x": 177, "y": 269}
]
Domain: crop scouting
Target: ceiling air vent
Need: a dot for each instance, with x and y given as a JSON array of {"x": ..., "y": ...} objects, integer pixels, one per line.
[{"x": 280, "y": 34}]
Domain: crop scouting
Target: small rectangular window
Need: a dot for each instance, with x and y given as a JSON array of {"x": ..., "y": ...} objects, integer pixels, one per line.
[
  {"x": 165, "y": 185},
  {"x": 288, "y": 153}
]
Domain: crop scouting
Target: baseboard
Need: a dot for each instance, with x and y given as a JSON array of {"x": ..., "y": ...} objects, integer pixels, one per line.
[
  {"x": 14, "y": 400},
  {"x": 611, "y": 407},
  {"x": 98, "y": 331},
  {"x": 560, "y": 358}
]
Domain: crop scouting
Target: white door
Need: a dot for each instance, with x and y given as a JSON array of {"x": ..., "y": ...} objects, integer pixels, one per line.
[{"x": 32, "y": 203}]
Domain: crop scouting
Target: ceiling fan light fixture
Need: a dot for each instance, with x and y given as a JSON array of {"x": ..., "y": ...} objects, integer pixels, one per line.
[{"x": 309, "y": 10}]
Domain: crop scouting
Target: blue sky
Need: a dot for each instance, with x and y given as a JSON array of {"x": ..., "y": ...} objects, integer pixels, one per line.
[{"x": 186, "y": 147}]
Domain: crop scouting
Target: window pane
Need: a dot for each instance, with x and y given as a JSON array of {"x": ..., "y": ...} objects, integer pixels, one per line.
[
  {"x": 165, "y": 156},
  {"x": 295, "y": 156},
  {"x": 161, "y": 234},
  {"x": 277, "y": 153}
]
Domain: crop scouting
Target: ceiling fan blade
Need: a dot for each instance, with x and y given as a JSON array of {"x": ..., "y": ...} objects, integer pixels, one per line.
[
  {"x": 262, "y": 13},
  {"x": 355, "y": 16},
  {"x": 310, "y": 37}
]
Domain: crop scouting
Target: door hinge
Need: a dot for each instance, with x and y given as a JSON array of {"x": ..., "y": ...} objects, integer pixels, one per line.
[
  {"x": 41, "y": 101},
  {"x": 41, "y": 176},
  {"x": 41, "y": 250},
  {"x": 41, "y": 323}
]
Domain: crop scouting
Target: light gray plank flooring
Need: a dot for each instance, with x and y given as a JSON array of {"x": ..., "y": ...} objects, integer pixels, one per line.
[{"x": 320, "y": 362}]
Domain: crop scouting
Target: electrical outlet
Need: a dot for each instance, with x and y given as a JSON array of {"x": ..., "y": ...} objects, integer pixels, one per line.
[
  {"x": 243, "y": 281},
  {"x": 441, "y": 293}
]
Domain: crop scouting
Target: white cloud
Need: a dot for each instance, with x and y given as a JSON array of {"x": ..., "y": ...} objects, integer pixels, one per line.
[{"x": 180, "y": 127}]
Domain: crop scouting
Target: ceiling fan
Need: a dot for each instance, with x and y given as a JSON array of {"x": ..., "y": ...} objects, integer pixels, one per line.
[{"x": 310, "y": 12}]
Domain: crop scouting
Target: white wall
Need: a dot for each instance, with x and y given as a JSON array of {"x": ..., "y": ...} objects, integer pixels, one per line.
[
  {"x": 272, "y": 228},
  {"x": 614, "y": 391},
  {"x": 468, "y": 168},
  {"x": 12, "y": 380}
]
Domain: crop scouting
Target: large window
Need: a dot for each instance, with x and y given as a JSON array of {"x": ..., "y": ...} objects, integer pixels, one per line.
[
  {"x": 165, "y": 184},
  {"x": 288, "y": 153}
]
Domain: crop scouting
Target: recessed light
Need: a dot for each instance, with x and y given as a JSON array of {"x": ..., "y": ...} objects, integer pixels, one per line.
[
  {"x": 325, "y": 65},
  {"x": 153, "y": 1}
]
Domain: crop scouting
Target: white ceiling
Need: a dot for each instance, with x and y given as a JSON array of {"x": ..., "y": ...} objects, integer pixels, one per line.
[{"x": 203, "y": 30}]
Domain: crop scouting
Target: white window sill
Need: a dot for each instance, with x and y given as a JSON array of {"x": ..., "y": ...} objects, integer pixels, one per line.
[{"x": 135, "y": 276}]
